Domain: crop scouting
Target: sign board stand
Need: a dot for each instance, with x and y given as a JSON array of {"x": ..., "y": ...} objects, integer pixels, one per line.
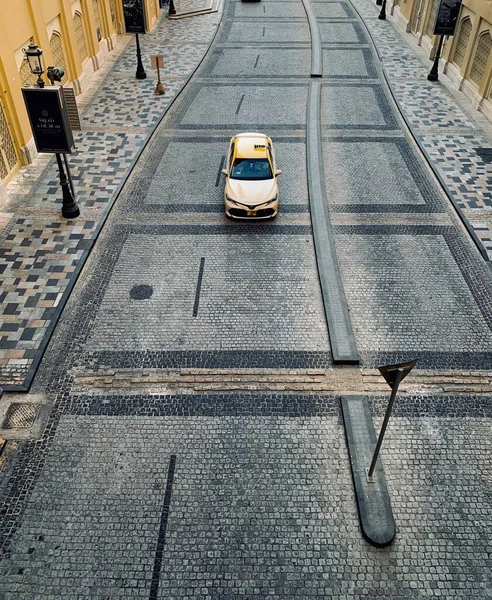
[
  {"x": 135, "y": 22},
  {"x": 446, "y": 19},
  {"x": 52, "y": 132},
  {"x": 158, "y": 63}
]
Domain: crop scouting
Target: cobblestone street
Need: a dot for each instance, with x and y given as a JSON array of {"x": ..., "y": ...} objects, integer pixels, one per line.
[{"x": 182, "y": 433}]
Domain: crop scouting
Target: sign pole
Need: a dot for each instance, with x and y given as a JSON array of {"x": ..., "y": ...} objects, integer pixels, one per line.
[
  {"x": 158, "y": 63},
  {"x": 382, "y": 14},
  {"x": 141, "y": 74},
  {"x": 69, "y": 174},
  {"x": 394, "y": 375},
  {"x": 434, "y": 72},
  {"x": 70, "y": 210},
  {"x": 398, "y": 379}
]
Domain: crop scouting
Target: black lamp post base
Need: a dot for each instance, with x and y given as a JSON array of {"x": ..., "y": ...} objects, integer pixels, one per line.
[
  {"x": 434, "y": 72},
  {"x": 140, "y": 74},
  {"x": 70, "y": 210},
  {"x": 382, "y": 14}
]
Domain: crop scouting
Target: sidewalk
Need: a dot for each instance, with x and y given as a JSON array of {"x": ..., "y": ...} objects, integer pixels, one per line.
[
  {"x": 42, "y": 254},
  {"x": 455, "y": 138}
]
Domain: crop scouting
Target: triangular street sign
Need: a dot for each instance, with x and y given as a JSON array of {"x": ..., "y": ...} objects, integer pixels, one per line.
[{"x": 389, "y": 372}]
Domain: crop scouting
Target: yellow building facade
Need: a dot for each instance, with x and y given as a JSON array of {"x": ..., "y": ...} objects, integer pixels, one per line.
[
  {"x": 466, "y": 56},
  {"x": 76, "y": 35}
]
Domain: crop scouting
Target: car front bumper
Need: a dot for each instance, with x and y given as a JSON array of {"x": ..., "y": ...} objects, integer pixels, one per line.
[{"x": 238, "y": 212}]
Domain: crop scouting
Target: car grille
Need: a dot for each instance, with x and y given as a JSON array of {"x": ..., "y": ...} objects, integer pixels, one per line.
[{"x": 264, "y": 212}]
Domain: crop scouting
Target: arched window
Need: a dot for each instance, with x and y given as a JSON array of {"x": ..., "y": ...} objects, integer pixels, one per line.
[
  {"x": 57, "y": 51},
  {"x": 462, "y": 42},
  {"x": 79, "y": 32},
  {"x": 97, "y": 19},
  {"x": 481, "y": 58},
  {"x": 429, "y": 30}
]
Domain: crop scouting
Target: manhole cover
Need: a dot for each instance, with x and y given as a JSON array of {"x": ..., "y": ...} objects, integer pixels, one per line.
[
  {"x": 20, "y": 416},
  {"x": 141, "y": 292}
]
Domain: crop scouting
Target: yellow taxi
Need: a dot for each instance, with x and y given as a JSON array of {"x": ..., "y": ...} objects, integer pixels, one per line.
[{"x": 251, "y": 190}]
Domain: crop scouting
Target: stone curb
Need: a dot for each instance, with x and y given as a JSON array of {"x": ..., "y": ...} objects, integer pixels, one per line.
[
  {"x": 316, "y": 48},
  {"x": 342, "y": 339},
  {"x": 373, "y": 502}
]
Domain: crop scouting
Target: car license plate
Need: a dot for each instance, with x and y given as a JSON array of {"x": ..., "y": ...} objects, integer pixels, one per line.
[{"x": 251, "y": 213}]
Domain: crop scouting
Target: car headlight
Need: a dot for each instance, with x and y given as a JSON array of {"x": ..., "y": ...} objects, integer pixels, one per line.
[
  {"x": 269, "y": 201},
  {"x": 231, "y": 200}
]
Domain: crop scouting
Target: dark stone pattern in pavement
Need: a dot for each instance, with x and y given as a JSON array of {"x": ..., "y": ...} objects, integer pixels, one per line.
[
  {"x": 356, "y": 106},
  {"x": 393, "y": 162},
  {"x": 410, "y": 268}
]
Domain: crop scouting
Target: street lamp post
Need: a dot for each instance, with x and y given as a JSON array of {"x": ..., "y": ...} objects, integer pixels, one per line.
[
  {"x": 382, "y": 14},
  {"x": 141, "y": 74},
  {"x": 434, "y": 72},
  {"x": 70, "y": 210}
]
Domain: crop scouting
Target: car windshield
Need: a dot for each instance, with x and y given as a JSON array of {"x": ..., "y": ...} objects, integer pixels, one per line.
[{"x": 251, "y": 169}]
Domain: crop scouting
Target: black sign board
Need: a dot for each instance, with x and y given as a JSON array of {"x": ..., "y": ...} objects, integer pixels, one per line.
[
  {"x": 447, "y": 17},
  {"x": 49, "y": 118},
  {"x": 134, "y": 12},
  {"x": 389, "y": 372}
]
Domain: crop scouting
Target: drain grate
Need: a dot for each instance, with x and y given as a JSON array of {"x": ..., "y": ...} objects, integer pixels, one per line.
[
  {"x": 20, "y": 416},
  {"x": 485, "y": 154}
]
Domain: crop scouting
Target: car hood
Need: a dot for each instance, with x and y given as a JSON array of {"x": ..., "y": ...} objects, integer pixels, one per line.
[{"x": 251, "y": 193}]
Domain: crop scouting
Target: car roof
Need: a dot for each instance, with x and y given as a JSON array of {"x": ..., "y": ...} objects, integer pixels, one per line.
[{"x": 252, "y": 145}]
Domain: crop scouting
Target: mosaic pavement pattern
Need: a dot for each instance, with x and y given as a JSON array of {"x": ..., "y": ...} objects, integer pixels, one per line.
[
  {"x": 40, "y": 253},
  {"x": 448, "y": 135},
  {"x": 123, "y": 112}
]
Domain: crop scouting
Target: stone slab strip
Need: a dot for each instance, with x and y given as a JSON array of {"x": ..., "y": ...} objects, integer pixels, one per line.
[
  {"x": 342, "y": 340},
  {"x": 373, "y": 502},
  {"x": 316, "y": 50}
]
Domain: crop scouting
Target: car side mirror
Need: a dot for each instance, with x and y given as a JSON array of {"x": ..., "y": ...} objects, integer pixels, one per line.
[
  {"x": 278, "y": 172},
  {"x": 225, "y": 172}
]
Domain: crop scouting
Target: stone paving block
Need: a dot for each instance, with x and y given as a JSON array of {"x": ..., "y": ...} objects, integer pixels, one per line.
[
  {"x": 357, "y": 107},
  {"x": 267, "y": 32},
  {"x": 428, "y": 109},
  {"x": 341, "y": 33},
  {"x": 333, "y": 10},
  {"x": 348, "y": 63},
  {"x": 260, "y": 62},
  {"x": 261, "y": 501},
  {"x": 391, "y": 162},
  {"x": 230, "y": 106},
  {"x": 183, "y": 161},
  {"x": 268, "y": 10},
  {"x": 409, "y": 272},
  {"x": 235, "y": 311}
]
